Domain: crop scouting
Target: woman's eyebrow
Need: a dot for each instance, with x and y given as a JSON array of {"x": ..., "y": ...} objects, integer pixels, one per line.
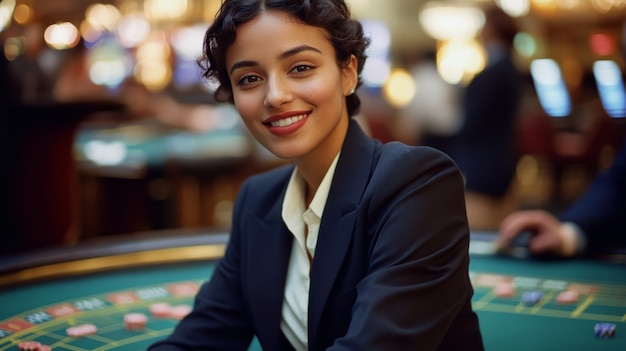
[
  {"x": 298, "y": 49},
  {"x": 241, "y": 64},
  {"x": 288, "y": 53}
]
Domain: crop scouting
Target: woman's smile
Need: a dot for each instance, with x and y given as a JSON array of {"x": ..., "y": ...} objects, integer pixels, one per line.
[{"x": 285, "y": 123}]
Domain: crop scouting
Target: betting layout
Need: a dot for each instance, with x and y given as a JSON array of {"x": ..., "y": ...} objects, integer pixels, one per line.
[
  {"x": 604, "y": 304},
  {"x": 138, "y": 317},
  {"x": 102, "y": 322}
]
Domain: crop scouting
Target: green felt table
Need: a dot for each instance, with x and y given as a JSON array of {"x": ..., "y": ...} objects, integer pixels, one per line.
[{"x": 42, "y": 310}]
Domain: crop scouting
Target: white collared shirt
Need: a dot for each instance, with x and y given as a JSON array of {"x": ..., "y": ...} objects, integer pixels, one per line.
[{"x": 295, "y": 311}]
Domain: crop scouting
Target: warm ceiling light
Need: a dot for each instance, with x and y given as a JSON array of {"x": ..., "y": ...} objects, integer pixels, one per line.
[
  {"x": 103, "y": 16},
  {"x": 450, "y": 22},
  {"x": 165, "y": 9},
  {"x": 6, "y": 11},
  {"x": 515, "y": 8},
  {"x": 399, "y": 89},
  {"x": 63, "y": 35}
]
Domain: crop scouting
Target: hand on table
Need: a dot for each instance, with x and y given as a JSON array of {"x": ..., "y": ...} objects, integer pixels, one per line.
[{"x": 550, "y": 234}]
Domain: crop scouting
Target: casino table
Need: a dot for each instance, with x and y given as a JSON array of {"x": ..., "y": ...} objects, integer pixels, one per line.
[{"x": 41, "y": 297}]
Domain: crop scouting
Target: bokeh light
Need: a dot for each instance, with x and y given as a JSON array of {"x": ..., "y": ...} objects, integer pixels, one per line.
[{"x": 399, "y": 89}]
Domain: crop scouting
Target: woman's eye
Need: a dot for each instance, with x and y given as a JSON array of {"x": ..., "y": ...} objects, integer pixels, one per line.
[
  {"x": 247, "y": 80},
  {"x": 301, "y": 68}
]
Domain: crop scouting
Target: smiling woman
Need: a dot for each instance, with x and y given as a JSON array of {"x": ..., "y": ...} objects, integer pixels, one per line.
[
  {"x": 290, "y": 95},
  {"x": 356, "y": 245}
]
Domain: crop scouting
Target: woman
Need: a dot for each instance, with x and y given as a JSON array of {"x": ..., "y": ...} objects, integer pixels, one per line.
[{"x": 357, "y": 245}]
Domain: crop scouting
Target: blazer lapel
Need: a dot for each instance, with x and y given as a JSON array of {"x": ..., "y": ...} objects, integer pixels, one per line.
[
  {"x": 336, "y": 229},
  {"x": 269, "y": 250}
]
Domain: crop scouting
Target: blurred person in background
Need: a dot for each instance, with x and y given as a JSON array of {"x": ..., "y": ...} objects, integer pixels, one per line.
[
  {"x": 33, "y": 69},
  {"x": 38, "y": 178},
  {"x": 433, "y": 114},
  {"x": 484, "y": 148},
  {"x": 594, "y": 223},
  {"x": 74, "y": 84}
]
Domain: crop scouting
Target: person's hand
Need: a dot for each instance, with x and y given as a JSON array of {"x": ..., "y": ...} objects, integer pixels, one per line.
[{"x": 550, "y": 234}]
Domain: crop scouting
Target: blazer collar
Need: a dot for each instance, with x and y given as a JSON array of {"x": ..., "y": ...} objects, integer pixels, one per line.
[{"x": 336, "y": 229}]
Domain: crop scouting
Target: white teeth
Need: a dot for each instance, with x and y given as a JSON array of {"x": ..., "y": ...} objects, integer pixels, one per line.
[{"x": 287, "y": 121}]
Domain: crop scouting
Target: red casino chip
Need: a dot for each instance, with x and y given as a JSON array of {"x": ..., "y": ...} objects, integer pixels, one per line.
[
  {"x": 135, "y": 321},
  {"x": 504, "y": 289},
  {"x": 29, "y": 346},
  {"x": 180, "y": 311},
  {"x": 567, "y": 297},
  {"x": 160, "y": 310},
  {"x": 81, "y": 330}
]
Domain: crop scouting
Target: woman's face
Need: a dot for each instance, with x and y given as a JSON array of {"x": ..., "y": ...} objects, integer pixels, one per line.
[{"x": 288, "y": 87}]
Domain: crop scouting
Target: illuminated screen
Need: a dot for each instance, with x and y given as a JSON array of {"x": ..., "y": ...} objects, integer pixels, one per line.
[
  {"x": 550, "y": 87},
  {"x": 610, "y": 87}
]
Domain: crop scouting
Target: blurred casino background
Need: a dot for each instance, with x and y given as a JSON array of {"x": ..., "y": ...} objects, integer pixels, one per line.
[{"x": 120, "y": 135}]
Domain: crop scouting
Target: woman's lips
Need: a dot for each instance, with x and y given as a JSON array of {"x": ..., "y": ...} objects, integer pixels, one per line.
[
  {"x": 285, "y": 122},
  {"x": 286, "y": 125}
]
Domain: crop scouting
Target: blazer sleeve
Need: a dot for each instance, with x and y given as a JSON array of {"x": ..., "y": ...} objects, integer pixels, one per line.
[
  {"x": 219, "y": 319},
  {"x": 416, "y": 293},
  {"x": 601, "y": 211}
]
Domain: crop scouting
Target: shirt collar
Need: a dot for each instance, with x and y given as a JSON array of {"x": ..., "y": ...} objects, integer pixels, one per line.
[{"x": 293, "y": 204}]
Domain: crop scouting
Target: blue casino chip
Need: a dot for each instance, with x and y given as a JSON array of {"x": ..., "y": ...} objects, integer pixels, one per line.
[
  {"x": 531, "y": 298},
  {"x": 604, "y": 330}
]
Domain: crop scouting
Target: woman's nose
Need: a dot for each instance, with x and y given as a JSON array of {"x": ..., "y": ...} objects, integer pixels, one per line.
[{"x": 277, "y": 92}]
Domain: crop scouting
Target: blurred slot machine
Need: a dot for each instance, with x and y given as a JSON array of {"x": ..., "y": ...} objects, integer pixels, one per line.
[
  {"x": 550, "y": 86},
  {"x": 610, "y": 84}
]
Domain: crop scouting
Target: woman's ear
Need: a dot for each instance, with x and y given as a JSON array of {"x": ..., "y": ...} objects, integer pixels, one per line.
[{"x": 350, "y": 75}]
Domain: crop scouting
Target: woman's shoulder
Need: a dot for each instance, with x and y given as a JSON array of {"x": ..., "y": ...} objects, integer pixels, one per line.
[
  {"x": 401, "y": 161},
  {"x": 399, "y": 152}
]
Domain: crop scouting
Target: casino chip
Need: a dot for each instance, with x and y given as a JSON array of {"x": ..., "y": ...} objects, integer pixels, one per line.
[
  {"x": 161, "y": 310},
  {"x": 29, "y": 346},
  {"x": 604, "y": 330},
  {"x": 180, "y": 311},
  {"x": 567, "y": 297},
  {"x": 33, "y": 346},
  {"x": 81, "y": 330},
  {"x": 531, "y": 298},
  {"x": 135, "y": 321},
  {"x": 504, "y": 289}
]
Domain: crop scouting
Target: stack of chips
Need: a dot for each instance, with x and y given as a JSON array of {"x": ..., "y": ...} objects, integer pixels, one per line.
[
  {"x": 33, "y": 346},
  {"x": 604, "y": 330},
  {"x": 160, "y": 309},
  {"x": 135, "y": 321},
  {"x": 180, "y": 311},
  {"x": 82, "y": 330},
  {"x": 531, "y": 298},
  {"x": 165, "y": 310},
  {"x": 504, "y": 289},
  {"x": 567, "y": 297},
  {"x": 29, "y": 346}
]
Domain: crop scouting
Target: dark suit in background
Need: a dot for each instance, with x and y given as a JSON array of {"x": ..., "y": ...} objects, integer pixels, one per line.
[
  {"x": 485, "y": 146},
  {"x": 601, "y": 211},
  {"x": 390, "y": 270}
]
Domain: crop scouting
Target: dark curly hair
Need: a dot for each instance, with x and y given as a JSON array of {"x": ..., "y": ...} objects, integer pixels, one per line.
[{"x": 345, "y": 34}]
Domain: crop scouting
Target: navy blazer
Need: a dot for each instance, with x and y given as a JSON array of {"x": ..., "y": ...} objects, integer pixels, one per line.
[
  {"x": 390, "y": 270},
  {"x": 601, "y": 210}
]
